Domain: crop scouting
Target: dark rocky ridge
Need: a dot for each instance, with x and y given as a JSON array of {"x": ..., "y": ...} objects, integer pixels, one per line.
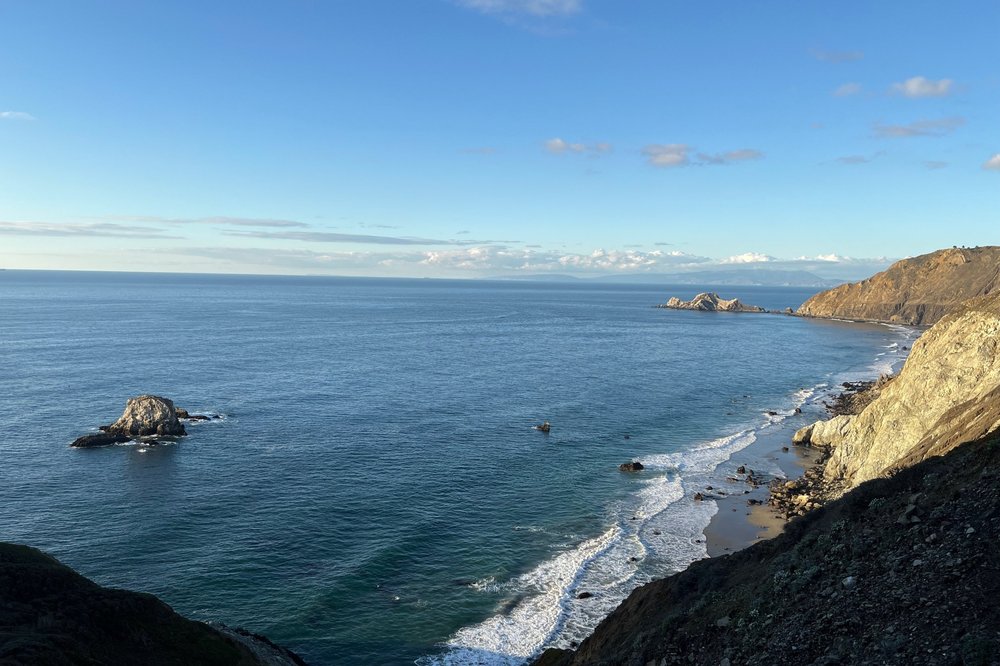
[
  {"x": 51, "y": 615},
  {"x": 901, "y": 570},
  {"x": 917, "y": 291}
]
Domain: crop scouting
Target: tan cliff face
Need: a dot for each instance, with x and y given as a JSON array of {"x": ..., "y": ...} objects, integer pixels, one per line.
[
  {"x": 917, "y": 291},
  {"x": 947, "y": 393}
]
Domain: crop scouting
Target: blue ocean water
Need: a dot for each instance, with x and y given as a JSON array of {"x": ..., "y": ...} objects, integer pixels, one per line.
[{"x": 375, "y": 492}]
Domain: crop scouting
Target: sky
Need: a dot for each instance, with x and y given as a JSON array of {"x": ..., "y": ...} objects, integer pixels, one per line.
[{"x": 484, "y": 138}]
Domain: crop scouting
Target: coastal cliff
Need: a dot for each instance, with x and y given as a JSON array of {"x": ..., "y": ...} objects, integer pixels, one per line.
[
  {"x": 851, "y": 583},
  {"x": 900, "y": 566},
  {"x": 947, "y": 393},
  {"x": 49, "y": 614},
  {"x": 916, "y": 291}
]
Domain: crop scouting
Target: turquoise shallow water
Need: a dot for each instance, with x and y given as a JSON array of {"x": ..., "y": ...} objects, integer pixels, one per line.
[{"x": 376, "y": 493}]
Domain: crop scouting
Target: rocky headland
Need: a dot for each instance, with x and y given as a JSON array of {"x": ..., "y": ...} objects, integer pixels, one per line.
[
  {"x": 917, "y": 291},
  {"x": 711, "y": 302},
  {"x": 888, "y": 556},
  {"x": 49, "y": 614}
]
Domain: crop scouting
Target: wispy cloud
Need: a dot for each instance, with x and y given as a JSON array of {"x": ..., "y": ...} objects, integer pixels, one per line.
[
  {"x": 854, "y": 160},
  {"x": 936, "y": 127},
  {"x": 992, "y": 164},
  {"x": 847, "y": 90},
  {"x": 666, "y": 155},
  {"x": 558, "y": 146},
  {"x": 837, "y": 56},
  {"x": 919, "y": 86},
  {"x": 105, "y": 230},
  {"x": 219, "y": 221},
  {"x": 679, "y": 155},
  {"x": 15, "y": 115},
  {"x": 331, "y": 237},
  {"x": 741, "y": 155},
  {"x": 541, "y": 8}
]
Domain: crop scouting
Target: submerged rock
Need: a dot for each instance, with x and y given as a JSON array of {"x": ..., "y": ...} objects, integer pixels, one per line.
[{"x": 102, "y": 439}]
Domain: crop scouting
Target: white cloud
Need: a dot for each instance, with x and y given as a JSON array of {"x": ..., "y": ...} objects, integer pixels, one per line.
[
  {"x": 847, "y": 90},
  {"x": 937, "y": 127},
  {"x": 531, "y": 7},
  {"x": 558, "y": 146},
  {"x": 748, "y": 258},
  {"x": 503, "y": 259},
  {"x": 919, "y": 86},
  {"x": 667, "y": 155},
  {"x": 992, "y": 164},
  {"x": 15, "y": 115},
  {"x": 679, "y": 154}
]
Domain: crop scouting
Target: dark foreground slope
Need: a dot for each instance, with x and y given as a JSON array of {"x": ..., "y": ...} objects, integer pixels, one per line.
[
  {"x": 49, "y": 614},
  {"x": 916, "y": 291},
  {"x": 904, "y": 570}
]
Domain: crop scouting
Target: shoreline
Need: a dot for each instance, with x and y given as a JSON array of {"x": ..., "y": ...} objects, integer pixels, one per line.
[
  {"x": 738, "y": 524},
  {"x": 744, "y": 519}
]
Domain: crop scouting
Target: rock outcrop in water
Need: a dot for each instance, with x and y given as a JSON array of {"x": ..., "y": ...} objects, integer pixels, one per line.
[
  {"x": 711, "y": 302},
  {"x": 49, "y": 614},
  {"x": 917, "y": 291},
  {"x": 148, "y": 415},
  {"x": 144, "y": 416}
]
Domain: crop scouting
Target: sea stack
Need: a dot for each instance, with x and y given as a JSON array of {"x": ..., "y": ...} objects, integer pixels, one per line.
[
  {"x": 711, "y": 302},
  {"x": 144, "y": 416}
]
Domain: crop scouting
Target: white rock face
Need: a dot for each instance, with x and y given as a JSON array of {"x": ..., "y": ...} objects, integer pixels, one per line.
[
  {"x": 148, "y": 415},
  {"x": 948, "y": 393},
  {"x": 711, "y": 302}
]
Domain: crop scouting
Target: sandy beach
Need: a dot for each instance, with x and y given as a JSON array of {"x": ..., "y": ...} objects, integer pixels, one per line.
[{"x": 739, "y": 524}]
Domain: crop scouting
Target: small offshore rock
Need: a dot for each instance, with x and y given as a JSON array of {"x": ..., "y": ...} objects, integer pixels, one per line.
[
  {"x": 584, "y": 595},
  {"x": 103, "y": 439},
  {"x": 634, "y": 466},
  {"x": 698, "y": 497}
]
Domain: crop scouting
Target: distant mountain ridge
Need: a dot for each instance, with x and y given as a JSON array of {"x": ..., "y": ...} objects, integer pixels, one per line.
[{"x": 917, "y": 291}]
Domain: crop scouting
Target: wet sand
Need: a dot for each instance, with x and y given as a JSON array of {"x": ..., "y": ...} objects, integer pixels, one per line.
[{"x": 737, "y": 524}]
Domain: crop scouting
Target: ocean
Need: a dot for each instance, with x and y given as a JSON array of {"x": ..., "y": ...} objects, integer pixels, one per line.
[{"x": 375, "y": 492}]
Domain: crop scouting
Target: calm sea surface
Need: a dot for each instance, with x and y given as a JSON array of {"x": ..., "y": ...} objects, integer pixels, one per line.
[{"x": 375, "y": 493}]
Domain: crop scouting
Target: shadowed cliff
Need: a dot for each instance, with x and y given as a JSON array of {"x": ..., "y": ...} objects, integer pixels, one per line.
[
  {"x": 51, "y": 615},
  {"x": 901, "y": 570}
]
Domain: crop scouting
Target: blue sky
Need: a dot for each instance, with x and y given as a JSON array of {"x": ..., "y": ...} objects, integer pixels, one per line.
[{"x": 474, "y": 138}]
